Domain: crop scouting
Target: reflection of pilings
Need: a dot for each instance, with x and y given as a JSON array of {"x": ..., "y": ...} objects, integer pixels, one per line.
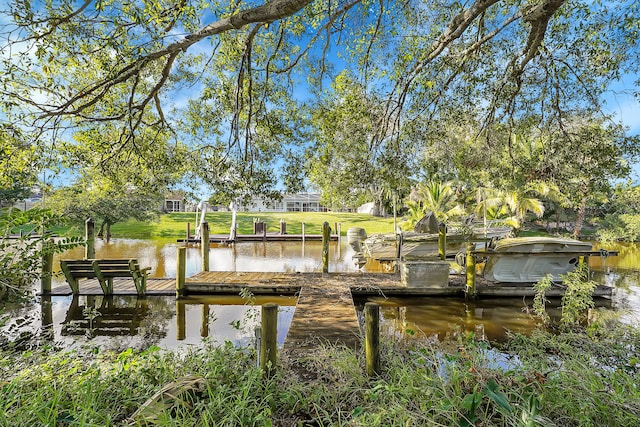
[
  {"x": 235, "y": 257},
  {"x": 46, "y": 313},
  {"x": 204, "y": 329},
  {"x": 181, "y": 327}
]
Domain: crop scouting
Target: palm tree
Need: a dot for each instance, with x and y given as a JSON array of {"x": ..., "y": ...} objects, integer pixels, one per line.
[
  {"x": 511, "y": 206},
  {"x": 437, "y": 197}
]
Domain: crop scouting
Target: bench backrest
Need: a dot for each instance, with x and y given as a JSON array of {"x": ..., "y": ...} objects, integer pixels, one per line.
[{"x": 83, "y": 265}]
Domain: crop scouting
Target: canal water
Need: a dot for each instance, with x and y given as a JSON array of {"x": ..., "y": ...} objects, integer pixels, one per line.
[{"x": 119, "y": 322}]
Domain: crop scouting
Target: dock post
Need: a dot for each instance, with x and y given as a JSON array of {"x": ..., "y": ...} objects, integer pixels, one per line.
[
  {"x": 269, "y": 338},
  {"x": 90, "y": 238},
  {"x": 47, "y": 266},
  {"x": 372, "y": 338},
  {"x": 204, "y": 245},
  {"x": 442, "y": 241},
  {"x": 326, "y": 232},
  {"x": 471, "y": 272},
  {"x": 303, "y": 233},
  {"x": 181, "y": 269},
  {"x": 188, "y": 232},
  {"x": 283, "y": 227},
  {"x": 339, "y": 232}
]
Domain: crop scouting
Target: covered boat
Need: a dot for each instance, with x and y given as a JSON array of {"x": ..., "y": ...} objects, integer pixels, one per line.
[{"x": 529, "y": 259}]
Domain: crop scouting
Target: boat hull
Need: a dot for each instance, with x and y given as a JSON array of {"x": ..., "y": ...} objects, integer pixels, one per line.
[{"x": 529, "y": 259}]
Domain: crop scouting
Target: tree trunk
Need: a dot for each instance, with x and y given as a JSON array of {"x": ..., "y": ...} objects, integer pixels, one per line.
[
  {"x": 580, "y": 218},
  {"x": 101, "y": 230}
]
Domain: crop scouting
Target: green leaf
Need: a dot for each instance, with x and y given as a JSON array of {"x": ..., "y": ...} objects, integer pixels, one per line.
[{"x": 498, "y": 397}]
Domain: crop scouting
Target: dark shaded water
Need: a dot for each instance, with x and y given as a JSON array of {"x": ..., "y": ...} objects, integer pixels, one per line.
[{"x": 122, "y": 322}]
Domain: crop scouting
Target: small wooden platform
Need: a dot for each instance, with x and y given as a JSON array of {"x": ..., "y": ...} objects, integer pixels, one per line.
[{"x": 323, "y": 314}]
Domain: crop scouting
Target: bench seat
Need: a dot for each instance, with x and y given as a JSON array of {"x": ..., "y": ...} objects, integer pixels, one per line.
[{"x": 105, "y": 270}]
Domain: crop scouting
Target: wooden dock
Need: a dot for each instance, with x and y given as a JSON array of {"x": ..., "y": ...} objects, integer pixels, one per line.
[
  {"x": 121, "y": 286},
  {"x": 264, "y": 283},
  {"x": 269, "y": 237},
  {"x": 325, "y": 311}
]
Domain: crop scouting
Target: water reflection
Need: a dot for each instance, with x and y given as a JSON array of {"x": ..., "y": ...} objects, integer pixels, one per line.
[
  {"x": 448, "y": 318},
  {"x": 120, "y": 322},
  {"x": 160, "y": 255}
]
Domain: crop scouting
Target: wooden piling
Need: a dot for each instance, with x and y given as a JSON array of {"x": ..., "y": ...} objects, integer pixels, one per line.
[
  {"x": 188, "y": 232},
  {"x": 471, "y": 271},
  {"x": 204, "y": 245},
  {"x": 326, "y": 232},
  {"x": 90, "y": 238},
  {"x": 181, "y": 269},
  {"x": 283, "y": 227},
  {"x": 269, "y": 338},
  {"x": 47, "y": 266},
  {"x": 399, "y": 242},
  {"x": 372, "y": 338},
  {"x": 442, "y": 241}
]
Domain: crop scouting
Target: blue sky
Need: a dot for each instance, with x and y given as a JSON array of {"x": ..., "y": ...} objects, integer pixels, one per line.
[{"x": 625, "y": 107}]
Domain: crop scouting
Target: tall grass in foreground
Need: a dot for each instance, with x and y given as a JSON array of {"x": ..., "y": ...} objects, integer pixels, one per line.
[{"x": 568, "y": 380}]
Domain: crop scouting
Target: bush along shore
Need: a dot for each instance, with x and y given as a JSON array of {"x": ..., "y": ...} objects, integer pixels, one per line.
[{"x": 572, "y": 378}]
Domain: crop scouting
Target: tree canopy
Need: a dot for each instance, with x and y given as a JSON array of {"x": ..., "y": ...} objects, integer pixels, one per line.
[{"x": 244, "y": 84}]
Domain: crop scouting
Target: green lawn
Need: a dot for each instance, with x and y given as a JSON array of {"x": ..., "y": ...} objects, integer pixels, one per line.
[{"x": 175, "y": 224}]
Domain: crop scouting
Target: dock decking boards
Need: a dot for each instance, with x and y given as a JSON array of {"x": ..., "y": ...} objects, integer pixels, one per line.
[
  {"x": 225, "y": 282},
  {"x": 326, "y": 313},
  {"x": 121, "y": 286}
]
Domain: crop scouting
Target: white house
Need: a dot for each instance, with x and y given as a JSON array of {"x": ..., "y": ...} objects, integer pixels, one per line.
[{"x": 300, "y": 202}]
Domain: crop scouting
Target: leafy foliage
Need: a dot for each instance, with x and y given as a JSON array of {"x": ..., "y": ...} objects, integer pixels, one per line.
[
  {"x": 578, "y": 297},
  {"x": 347, "y": 161},
  {"x": 22, "y": 246},
  {"x": 18, "y": 167},
  {"x": 540, "y": 300},
  {"x": 489, "y": 91}
]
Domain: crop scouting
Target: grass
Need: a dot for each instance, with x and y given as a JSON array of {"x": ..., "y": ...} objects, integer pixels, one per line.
[
  {"x": 175, "y": 224},
  {"x": 570, "y": 379}
]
